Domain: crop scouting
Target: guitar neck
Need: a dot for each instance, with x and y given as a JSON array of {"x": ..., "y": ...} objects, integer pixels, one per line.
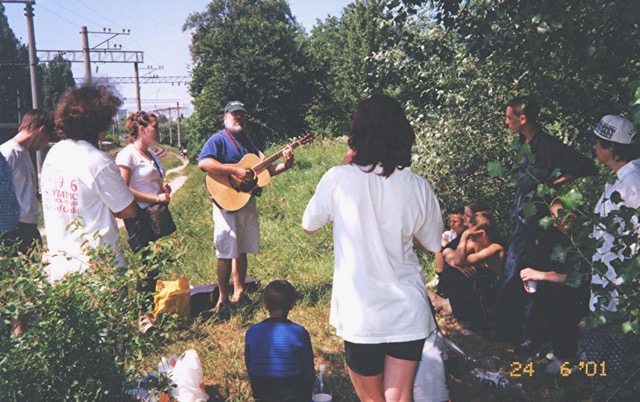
[{"x": 269, "y": 161}]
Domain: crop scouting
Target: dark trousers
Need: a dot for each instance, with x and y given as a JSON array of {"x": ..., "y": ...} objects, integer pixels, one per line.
[
  {"x": 25, "y": 236},
  {"x": 556, "y": 310},
  {"x": 511, "y": 298},
  {"x": 471, "y": 299},
  {"x": 29, "y": 235}
]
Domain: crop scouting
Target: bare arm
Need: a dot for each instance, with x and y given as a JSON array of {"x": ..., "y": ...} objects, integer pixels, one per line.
[
  {"x": 211, "y": 165},
  {"x": 483, "y": 254},
  {"x": 129, "y": 212},
  {"x": 281, "y": 167},
  {"x": 459, "y": 257},
  {"x": 530, "y": 274}
]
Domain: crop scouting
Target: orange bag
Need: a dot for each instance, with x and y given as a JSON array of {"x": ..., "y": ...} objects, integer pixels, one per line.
[{"x": 173, "y": 297}]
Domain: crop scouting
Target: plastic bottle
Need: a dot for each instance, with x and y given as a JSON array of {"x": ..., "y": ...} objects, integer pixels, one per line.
[{"x": 321, "y": 389}]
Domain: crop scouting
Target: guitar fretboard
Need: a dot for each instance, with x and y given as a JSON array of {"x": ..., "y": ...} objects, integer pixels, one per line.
[{"x": 269, "y": 161}]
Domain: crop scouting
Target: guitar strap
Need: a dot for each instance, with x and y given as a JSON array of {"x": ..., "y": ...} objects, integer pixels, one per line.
[
  {"x": 251, "y": 146},
  {"x": 258, "y": 190},
  {"x": 232, "y": 139}
]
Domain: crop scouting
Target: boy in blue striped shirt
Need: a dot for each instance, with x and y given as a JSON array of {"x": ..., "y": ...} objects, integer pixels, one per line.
[{"x": 278, "y": 352}]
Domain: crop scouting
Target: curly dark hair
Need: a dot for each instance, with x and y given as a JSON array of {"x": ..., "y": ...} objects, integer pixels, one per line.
[
  {"x": 380, "y": 134},
  {"x": 136, "y": 120},
  {"x": 83, "y": 113}
]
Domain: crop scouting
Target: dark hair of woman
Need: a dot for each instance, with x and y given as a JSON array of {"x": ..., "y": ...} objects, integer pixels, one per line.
[
  {"x": 83, "y": 113},
  {"x": 380, "y": 134},
  {"x": 477, "y": 206}
]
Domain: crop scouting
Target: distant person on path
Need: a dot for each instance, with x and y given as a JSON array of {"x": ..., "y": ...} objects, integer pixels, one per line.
[
  {"x": 617, "y": 147},
  {"x": 34, "y": 134},
  {"x": 379, "y": 207},
  {"x": 547, "y": 155},
  {"x": 235, "y": 233},
  {"x": 277, "y": 351},
  {"x": 81, "y": 184}
]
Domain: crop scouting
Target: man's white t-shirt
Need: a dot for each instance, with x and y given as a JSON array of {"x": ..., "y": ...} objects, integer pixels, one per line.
[
  {"x": 379, "y": 293},
  {"x": 145, "y": 176},
  {"x": 80, "y": 182},
  {"x": 25, "y": 181}
]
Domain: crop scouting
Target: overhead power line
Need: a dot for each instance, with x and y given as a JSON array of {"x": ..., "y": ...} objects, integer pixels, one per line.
[{"x": 143, "y": 80}]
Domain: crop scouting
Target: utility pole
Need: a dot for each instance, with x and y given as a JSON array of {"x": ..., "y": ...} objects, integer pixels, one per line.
[
  {"x": 178, "y": 121},
  {"x": 33, "y": 60},
  {"x": 170, "y": 133},
  {"x": 135, "y": 69},
  {"x": 86, "y": 53}
]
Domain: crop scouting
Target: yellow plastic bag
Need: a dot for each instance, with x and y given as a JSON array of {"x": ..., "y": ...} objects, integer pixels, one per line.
[{"x": 173, "y": 297}]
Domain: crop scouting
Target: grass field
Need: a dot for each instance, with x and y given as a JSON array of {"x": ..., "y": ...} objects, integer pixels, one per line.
[{"x": 307, "y": 262}]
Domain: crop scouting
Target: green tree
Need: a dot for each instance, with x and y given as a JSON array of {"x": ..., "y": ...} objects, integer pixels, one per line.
[
  {"x": 56, "y": 78},
  {"x": 15, "y": 94},
  {"x": 254, "y": 51},
  {"x": 341, "y": 50},
  {"x": 577, "y": 56},
  {"x": 455, "y": 102}
]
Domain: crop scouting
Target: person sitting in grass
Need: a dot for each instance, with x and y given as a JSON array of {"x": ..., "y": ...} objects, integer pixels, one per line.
[
  {"x": 480, "y": 257},
  {"x": 277, "y": 351},
  {"x": 557, "y": 308}
]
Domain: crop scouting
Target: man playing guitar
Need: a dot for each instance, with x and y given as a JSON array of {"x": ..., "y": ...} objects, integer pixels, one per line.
[{"x": 236, "y": 233}]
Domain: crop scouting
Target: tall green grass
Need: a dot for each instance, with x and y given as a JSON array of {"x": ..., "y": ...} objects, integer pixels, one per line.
[{"x": 286, "y": 253}]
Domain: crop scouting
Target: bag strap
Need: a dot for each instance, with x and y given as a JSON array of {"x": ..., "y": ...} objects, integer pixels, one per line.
[{"x": 155, "y": 162}]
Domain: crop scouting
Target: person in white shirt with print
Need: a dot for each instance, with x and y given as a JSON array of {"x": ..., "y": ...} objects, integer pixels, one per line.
[{"x": 81, "y": 185}]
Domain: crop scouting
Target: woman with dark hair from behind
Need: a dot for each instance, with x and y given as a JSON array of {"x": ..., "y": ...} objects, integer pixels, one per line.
[
  {"x": 81, "y": 185},
  {"x": 379, "y": 207}
]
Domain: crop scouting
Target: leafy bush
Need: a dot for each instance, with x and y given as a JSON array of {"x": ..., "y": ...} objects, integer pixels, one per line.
[{"x": 82, "y": 340}]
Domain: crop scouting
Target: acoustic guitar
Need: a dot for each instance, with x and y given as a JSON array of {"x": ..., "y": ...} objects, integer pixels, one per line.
[{"x": 230, "y": 193}]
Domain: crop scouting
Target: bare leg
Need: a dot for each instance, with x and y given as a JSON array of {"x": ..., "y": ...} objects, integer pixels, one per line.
[
  {"x": 239, "y": 275},
  {"x": 398, "y": 379},
  {"x": 224, "y": 274},
  {"x": 368, "y": 388}
]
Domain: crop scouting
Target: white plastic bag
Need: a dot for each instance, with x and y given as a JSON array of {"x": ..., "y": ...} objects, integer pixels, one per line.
[{"x": 186, "y": 373}]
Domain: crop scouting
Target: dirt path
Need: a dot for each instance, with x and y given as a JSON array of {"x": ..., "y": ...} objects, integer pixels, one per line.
[{"x": 177, "y": 181}]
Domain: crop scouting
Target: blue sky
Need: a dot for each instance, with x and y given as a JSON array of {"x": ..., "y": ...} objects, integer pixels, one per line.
[{"x": 156, "y": 29}]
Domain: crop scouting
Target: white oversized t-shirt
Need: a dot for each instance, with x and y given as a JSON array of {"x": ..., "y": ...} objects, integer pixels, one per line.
[
  {"x": 379, "y": 292},
  {"x": 80, "y": 181},
  {"x": 145, "y": 176}
]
